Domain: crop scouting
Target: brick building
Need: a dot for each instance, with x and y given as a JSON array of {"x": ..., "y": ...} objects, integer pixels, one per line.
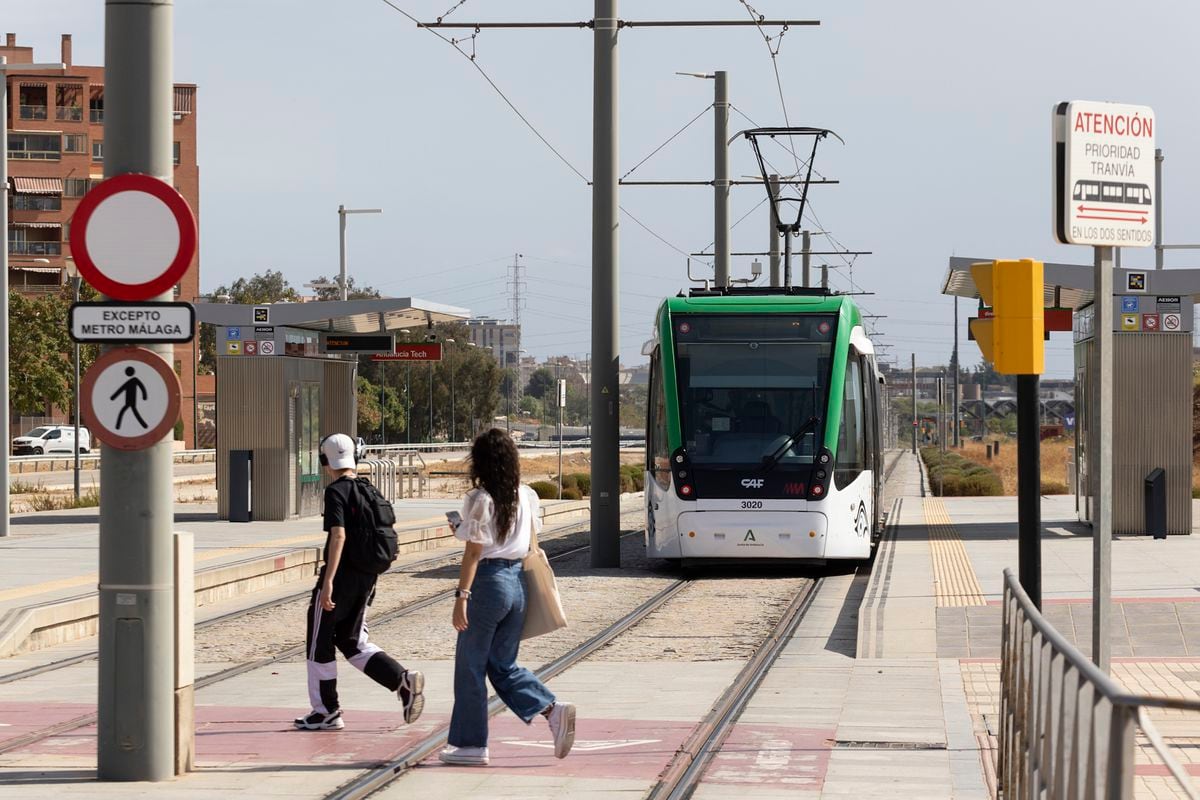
[{"x": 55, "y": 154}]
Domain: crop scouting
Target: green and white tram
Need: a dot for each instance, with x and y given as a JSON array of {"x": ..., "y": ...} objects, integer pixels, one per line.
[{"x": 763, "y": 429}]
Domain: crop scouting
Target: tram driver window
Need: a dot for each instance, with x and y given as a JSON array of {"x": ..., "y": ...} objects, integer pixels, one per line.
[{"x": 851, "y": 447}]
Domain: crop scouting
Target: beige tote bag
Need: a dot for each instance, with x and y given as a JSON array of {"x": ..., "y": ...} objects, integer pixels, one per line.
[{"x": 543, "y": 606}]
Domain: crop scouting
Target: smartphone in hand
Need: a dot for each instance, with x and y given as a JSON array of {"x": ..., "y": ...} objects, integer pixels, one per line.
[{"x": 454, "y": 518}]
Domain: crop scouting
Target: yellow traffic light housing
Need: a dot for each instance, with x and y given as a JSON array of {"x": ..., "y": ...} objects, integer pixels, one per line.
[{"x": 1013, "y": 339}]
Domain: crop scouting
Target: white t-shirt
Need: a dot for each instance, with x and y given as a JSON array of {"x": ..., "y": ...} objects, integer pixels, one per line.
[{"x": 479, "y": 523}]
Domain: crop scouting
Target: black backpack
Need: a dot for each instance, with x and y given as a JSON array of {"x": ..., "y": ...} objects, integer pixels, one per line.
[{"x": 371, "y": 544}]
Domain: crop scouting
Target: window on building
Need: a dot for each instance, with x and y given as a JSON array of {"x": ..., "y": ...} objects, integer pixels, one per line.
[
  {"x": 35, "y": 146},
  {"x": 74, "y": 143},
  {"x": 75, "y": 187},
  {"x": 175, "y": 153},
  {"x": 69, "y": 102},
  {"x": 96, "y": 107},
  {"x": 36, "y": 202},
  {"x": 98, "y": 151},
  {"x": 34, "y": 102}
]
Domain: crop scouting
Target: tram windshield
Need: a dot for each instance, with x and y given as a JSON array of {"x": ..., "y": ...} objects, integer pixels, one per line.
[{"x": 748, "y": 383}]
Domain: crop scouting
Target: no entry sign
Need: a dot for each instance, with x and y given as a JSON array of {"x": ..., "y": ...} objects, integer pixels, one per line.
[
  {"x": 130, "y": 398},
  {"x": 133, "y": 237}
]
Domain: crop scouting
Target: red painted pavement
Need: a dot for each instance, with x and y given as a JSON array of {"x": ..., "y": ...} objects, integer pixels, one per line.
[{"x": 18, "y": 719}]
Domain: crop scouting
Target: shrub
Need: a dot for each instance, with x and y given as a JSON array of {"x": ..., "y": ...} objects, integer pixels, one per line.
[
  {"x": 570, "y": 482},
  {"x": 582, "y": 481},
  {"x": 179, "y": 430},
  {"x": 633, "y": 478},
  {"x": 545, "y": 489},
  {"x": 1054, "y": 487},
  {"x": 980, "y": 486},
  {"x": 571, "y": 494}
]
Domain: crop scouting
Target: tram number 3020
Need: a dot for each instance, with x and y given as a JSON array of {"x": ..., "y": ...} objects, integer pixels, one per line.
[{"x": 752, "y": 504}]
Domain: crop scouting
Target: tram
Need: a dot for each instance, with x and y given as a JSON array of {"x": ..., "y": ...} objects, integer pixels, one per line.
[{"x": 763, "y": 428}]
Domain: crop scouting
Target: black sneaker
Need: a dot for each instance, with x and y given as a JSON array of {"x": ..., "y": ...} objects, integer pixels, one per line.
[
  {"x": 412, "y": 695},
  {"x": 316, "y": 721}
]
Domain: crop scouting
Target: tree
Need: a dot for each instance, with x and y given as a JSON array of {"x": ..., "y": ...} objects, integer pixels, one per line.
[
  {"x": 41, "y": 370},
  {"x": 267, "y": 287},
  {"x": 541, "y": 383},
  {"x": 353, "y": 292},
  {"x": 633, "y": 406}
]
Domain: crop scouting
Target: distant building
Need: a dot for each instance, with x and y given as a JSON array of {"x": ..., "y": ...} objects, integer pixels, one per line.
[
  {"x": 504, "y": 339},
  {"x": 55, "y": 154}
]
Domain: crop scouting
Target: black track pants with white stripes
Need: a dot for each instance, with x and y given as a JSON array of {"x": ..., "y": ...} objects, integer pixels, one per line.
[{"x": 345, "y": 629}]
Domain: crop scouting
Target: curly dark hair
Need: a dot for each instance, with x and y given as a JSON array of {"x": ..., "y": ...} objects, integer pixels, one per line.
[{"x": 496, "y": 468}]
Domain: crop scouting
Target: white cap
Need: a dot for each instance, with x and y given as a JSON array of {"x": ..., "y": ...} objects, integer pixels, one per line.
[{"x": 338, "y": 449}]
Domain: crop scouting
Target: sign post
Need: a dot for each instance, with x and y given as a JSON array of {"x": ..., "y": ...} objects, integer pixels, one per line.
[{"x": 1105, "y": 195}]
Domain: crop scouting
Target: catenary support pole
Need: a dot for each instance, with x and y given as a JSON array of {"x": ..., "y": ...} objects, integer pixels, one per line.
[
  {"x": 914, "y": 404},
  {"x": 806, "y": 258},
  {"x": 825, "y": 277},
  {"x": 136, "y": 703},
  {"x": 773, "y": 248},
  {"x": 1158, "y": 208},
  {"x": 5, "y": 427},
  {"x": 606, "y": 490},
  {"x": 342, "y": 293},
  {"x": 1100, "y": 455},
  {"x": 721, "y": 179},
  {"x": 954, "y": 396},
  {"x": 1029, "y": 479}
]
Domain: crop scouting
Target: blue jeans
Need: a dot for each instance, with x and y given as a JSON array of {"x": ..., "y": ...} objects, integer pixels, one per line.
[{"x": 495, "y": 616}]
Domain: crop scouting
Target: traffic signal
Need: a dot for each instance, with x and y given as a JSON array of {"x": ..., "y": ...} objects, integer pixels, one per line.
[{"x": 1013, "y": 338}]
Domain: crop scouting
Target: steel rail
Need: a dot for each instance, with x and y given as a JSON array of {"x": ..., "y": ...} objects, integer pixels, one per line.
[
  {"x": 558, "y": 532},
  {"x": 687, "y": 767},
  {"x": 373, "y": 780},
  {"x": 240, "y": 669}
]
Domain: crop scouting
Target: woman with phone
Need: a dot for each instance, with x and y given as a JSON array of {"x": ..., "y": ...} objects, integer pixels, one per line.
[{"x": 498, "y": 521}]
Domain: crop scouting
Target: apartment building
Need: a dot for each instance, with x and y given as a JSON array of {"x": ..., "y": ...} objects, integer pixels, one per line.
[
  {"x": 504, "y": 339},
  {"x": 55, "y": 154}
]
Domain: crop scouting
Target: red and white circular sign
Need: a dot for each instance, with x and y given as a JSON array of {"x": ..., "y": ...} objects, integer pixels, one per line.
[
  {"x": 133, "y": 237},
  {"x": 130, "y": 398}
]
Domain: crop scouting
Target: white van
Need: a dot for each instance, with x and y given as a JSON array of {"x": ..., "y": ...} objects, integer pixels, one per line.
[{"x": 51, "y": 440}]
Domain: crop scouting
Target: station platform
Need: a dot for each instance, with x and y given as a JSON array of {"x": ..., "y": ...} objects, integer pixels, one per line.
[{"x": 887, "y": 689}]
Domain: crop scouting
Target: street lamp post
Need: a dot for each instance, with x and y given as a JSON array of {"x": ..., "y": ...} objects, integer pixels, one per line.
[
  {"x": 450, "y": 362},
  {"x": 342, "y": 212},
  {"x": 4, "y": 388},
  {"x": 75, "y": 280}
]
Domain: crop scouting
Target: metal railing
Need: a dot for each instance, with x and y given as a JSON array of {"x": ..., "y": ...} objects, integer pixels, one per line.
[
  {"x": 33, "y": 111},
  {"x": 95, "y": 115},
  {"x": 1067, "y": 730},
  {"x": 29, "y": 248},
  {"x": 398, "y": 477},
  {"x": 91, "y": 460},
  {"x": 70, "y": 113}
]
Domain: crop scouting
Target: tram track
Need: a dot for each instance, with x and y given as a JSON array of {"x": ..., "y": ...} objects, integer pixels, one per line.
[
  {"x": 376, "y": 779},
  {"x": 291, "y": 651},
  {"x": 683, "y": 773},
  {"x": 446, "y": 559}
]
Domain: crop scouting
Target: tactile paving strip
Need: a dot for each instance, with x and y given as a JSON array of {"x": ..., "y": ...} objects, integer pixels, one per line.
[{"x": 954, "y": 580}]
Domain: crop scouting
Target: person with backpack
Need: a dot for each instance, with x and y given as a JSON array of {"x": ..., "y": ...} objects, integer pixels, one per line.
[
  {"x": 361, "y": 545},
  {"x": 498, "y": 522}
]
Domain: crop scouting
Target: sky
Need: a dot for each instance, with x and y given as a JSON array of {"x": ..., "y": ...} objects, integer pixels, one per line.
[{"x": 944, "y": 107}]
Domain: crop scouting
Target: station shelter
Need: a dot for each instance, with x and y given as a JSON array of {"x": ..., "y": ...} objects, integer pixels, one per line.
[
  {"x": 281, "y": 388},
  {"x": 1152, "y": 382}
]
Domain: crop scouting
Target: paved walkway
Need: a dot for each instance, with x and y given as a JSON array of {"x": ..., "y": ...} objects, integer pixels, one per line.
[{"x": 889, "y": 689}]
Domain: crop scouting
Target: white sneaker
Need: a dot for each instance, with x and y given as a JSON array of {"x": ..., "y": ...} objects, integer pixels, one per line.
[
  {"x": 316, "y": 721},
  {"x": 464, "y": 756},
  {"x": 562, "y": 725},
  {"x": 412, "y": 695}
]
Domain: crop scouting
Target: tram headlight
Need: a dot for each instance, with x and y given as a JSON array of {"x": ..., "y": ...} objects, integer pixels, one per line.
[
  {"x": 821, "y": 474},
  {"x": 818, "y": 490},
  {"x": 685, "y": 490}
]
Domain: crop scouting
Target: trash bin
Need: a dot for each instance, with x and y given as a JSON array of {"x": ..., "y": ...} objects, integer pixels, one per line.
[
  {"x": 1156, "y": 503},
  {"x": 241, "y": 484}
]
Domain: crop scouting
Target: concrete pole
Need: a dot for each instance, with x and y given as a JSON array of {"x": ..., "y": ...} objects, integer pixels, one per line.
[
  {"x": 1158, "y": 208},
  {"x": 825, "y": 277},
  {"x": 721, "y": 179},
  {"x": 1100, "y": 454},
  {"x": 806, "y": 257},
  {"x": 954, "y": 396},
  {"x": 606, "y": 416},
  {"x": 136, "y": 704},
  {"x": 776, "y": 281},
  {"x": 914, "y": 403},
  {"x": 342, "y": 293}
]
